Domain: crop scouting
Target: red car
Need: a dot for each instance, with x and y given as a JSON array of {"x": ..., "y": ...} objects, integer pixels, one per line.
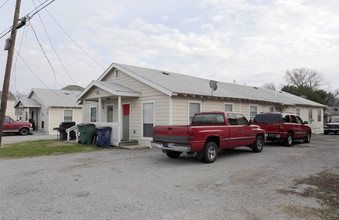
[
  {"x": 11, "y": 126},
  {"x": 208, "y": 132},
  {"x": 283, "y": 126}
]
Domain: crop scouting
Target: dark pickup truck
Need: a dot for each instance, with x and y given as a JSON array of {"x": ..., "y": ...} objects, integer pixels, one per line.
[
  {"x": 332, "y": 126},
  {"x": 208, "y": 133}
]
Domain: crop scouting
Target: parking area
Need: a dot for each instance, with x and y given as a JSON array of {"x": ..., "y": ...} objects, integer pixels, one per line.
[
  {"x": 145, "y": 184},
  {"x": 10, "y": 138}
]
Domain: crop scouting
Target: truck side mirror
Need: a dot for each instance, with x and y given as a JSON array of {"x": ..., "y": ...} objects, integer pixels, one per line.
[
  {"x": 305, "y": 122},
  {"x": 250, "y": 121}
]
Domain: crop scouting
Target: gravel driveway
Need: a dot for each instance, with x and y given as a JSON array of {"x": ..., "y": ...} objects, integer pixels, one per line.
[{"x": 145, "y": 184}]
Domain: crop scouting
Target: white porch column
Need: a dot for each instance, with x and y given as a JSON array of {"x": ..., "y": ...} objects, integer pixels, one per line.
[
  {"x": 28, "y": 114},
  {"x": 83, "y": 110},
  {"x": 119, "y": 119},
  {"x": 99, "y": 110}
]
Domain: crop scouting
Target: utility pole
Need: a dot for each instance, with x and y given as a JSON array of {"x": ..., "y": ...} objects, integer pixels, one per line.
[{"x": 8, "y": 70}]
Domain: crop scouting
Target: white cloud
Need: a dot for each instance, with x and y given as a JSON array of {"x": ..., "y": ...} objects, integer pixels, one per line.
[{"x": 252, "y": 42}]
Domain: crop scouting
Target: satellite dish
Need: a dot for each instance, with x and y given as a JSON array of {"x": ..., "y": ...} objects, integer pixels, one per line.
[{"x": 213, "y": 85}]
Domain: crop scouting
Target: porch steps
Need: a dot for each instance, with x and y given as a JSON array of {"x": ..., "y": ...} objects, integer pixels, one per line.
[{"x": 128, "y": 143}]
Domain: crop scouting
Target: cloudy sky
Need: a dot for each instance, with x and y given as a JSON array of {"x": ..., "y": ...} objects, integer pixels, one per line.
[{"x": 248, "y": 42}]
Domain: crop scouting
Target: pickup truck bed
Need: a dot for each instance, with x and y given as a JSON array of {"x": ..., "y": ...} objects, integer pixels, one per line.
[{"x": 208, "y": 132}]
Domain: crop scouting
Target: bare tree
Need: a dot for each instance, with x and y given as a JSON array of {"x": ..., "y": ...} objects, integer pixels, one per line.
[
  {"x": 332, "y": 98},
  {"x": 269, "y": 85},
  {"x": 19, "y": 94},
  {"x": 304, "y": 77}
]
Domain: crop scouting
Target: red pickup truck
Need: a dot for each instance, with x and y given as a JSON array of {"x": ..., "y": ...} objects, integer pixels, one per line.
[
  {"x": 283, "y": 126},
  {"x": 208, "y": 132},
  {"x": 11, "y": 126}
]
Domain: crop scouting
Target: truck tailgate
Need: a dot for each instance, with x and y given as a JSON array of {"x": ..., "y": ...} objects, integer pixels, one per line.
[
  {"x": 269, "y": 128},
  {"x": 171, "y": 134}
]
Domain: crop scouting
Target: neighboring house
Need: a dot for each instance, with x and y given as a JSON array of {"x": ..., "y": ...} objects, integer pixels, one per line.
[
  {"x": 133, "y": 99},
  {"x": 10, "y": 111},
  {"x": 49, "y": 107}
]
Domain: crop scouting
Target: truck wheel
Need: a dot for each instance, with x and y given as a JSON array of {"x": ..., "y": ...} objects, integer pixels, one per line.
[
  {"x": 325, "y": 133},
  {"x": 210, "y": 152},
  {"x": 23, "y": 131},
  {"x": 289, "y": 139},
  {"x": 258, "y": 144},
  {"x": 307, "y": 138},
  {"x": 173, "y": 154}
]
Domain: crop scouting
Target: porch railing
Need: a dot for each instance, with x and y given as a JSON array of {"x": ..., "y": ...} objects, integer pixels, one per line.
[{"x": 68, "y": 132}]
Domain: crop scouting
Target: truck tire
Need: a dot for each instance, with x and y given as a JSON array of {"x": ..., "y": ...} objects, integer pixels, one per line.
[
  {"x": 23, "y": 131},
  {"x": 258, "y": 144},
  {"x": 173, "y": 154},
  {"x": 210, "y": 152},
  {"x": 307, "y": 138},
  {"x": 289, "y": 139}
]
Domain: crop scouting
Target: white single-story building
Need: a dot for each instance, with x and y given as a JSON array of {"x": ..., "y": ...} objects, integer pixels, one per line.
[
  {"x": 133, "y": 99},
  {"x": 49, "y": 107},
  {"x": 10, "y": 111}
]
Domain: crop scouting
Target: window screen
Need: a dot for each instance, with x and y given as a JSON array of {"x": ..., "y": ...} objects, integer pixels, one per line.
[{"x": 148, "y": 119}]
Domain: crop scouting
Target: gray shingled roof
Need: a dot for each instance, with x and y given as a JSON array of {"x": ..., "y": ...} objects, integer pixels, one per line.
[
  {"x": 56, "y": 98},
  {"x": 185, "y": 84},
  {"x": 26, "y": 102}
]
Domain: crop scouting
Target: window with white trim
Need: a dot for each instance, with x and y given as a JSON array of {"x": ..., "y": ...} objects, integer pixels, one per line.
[
  {"x": 297, "y": 111},
  {"x": 193, "y": 107},
  {"x": 272, "y": 109},
  {"x": 68, "y": 115},
  {"x": 319, "y": 115},
  {"x": 253, "y": 111},
  {"x": 93, "y": 114},
  {"x": 116, "y": 74},
  {"x": 310, "y": 116},
  {"x": 109, "y": 114},
  {"x": 148, "y": 119},
  {"x": 228, "y": 107}
]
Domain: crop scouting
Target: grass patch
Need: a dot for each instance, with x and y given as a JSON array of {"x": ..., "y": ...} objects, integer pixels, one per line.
[
  {"x": 42, "y": 147},
  {"x": 326, "y": 190}
]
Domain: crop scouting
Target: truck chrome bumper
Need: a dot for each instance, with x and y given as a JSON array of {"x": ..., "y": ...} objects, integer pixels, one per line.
[{"x": 171, "y": 146}]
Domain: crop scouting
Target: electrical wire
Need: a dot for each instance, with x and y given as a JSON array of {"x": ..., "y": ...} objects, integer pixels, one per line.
[
  {"x": 4, "y": 4},
  {"x": 43, "y": 51},
  {"x": 28, "y": 16},
  {"x": 31, "y": 16},
  {"x": 16, "y": 59},
  {"x": 36, "y": 76},
  {"x": 74, "y": 40},
  {"x": 57, "y": 55}
]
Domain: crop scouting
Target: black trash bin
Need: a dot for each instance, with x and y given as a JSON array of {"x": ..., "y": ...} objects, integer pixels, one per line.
[{"x": 62, "y": 130}]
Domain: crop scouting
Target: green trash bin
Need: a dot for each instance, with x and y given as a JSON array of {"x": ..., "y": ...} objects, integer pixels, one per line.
[{"x": 87, "y": 133}]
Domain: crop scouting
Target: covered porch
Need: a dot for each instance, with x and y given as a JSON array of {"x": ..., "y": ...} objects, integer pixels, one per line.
[
  {"x": 29, "y": 110},
  {"x": 108, "y": 104}
]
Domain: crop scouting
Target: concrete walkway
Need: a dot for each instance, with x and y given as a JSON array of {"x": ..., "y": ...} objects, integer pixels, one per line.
[{"x": 35, "y": 135}]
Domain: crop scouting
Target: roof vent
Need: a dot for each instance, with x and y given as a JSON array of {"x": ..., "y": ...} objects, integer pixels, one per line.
[
  {"x": 255, "y": 87},
  {"x": 66, "y": 93},
  {"x": 167, "y": 74}
]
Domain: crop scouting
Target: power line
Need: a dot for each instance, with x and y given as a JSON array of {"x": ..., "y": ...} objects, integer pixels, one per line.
[
  {"x": 74, "y": 40},
  {"x": 40, "y": 8},
  {"x": 36, "y": 76},
  {"x": 4, "y": 4},
  {"x": 50, "y": 41},
  {"x": 28, "y": 16},
  {"x": 43, "y": 51}
]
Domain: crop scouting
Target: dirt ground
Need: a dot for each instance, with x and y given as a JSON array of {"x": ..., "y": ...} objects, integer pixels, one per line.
[{"x": 297, "y": 182}]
